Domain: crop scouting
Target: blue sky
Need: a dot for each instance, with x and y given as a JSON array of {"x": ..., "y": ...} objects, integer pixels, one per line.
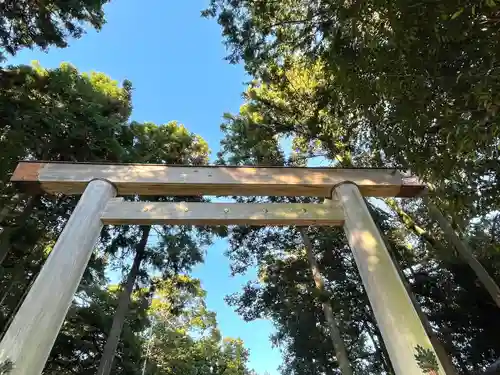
[{"x": 174, "y": 59}]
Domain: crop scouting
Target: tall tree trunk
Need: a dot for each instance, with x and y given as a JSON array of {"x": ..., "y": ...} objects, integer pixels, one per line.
[
  {"x": 108, "y": 355},
  {"x": 464, "y": 250},
  {"x": 338, "y": 343},
  {"x": 5, "y": 236}
]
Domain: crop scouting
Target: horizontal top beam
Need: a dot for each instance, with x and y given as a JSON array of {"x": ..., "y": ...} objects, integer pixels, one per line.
[
  {"x": 154, "y": 179},
  {"x": 119, "y": 212}
]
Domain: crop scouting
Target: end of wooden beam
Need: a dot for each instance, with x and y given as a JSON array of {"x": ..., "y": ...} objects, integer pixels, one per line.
[
  {"x": 411, "y": 187},
  {"x": 26, "y": 177}
]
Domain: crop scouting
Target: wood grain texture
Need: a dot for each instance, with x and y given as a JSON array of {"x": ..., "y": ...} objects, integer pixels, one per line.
[
  {"x": 28, "y": 341},
  {"x": 151, "y": 179},
  {"x": 398, "y": 321},
  {"x": 119, "y": 212}
]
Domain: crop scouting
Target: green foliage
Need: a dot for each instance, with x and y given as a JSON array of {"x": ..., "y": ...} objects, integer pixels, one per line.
[
  {"x": 285, "y": 293},
  {"x": 60, "y": 114},
  {"x": 184, "y": 337},
  {"x": 25, "y": 23},
  {"x": 63, "y": 115},
  {"x": 177, "y": 334},
  {"x": 302, "y": 102},
  {"x": 83, "y": 335},
  {"x": 169, "y": 143},
  {"x": 49, "y": 114},
  {"x": 419, "y": 82},
  {"x": 426, "y": 360}
]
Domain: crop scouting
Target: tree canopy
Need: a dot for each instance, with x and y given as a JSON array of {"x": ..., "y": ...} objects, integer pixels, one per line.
[
  {"x": 416, "y": 81},
  {"x": 63, "y": 115},
  {"x": 25, "y": 23},
  {"x": 370, "y": 85},
  {"x": 403, "y": 85}
]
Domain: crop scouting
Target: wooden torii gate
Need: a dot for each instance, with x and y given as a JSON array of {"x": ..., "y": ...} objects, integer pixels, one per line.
[{"x": 28, "y": 341}]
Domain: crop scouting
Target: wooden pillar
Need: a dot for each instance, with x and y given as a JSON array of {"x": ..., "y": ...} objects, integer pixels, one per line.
[
  {"x": 29, "y": 340},
  {"x": 398, "y": 321}
]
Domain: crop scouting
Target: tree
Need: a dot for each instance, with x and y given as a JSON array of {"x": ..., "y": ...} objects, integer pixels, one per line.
[
  {"x": 179, "y": 248},
  {"x": 338, "y": 343},
  {"x": 175, "y": 333},
  {"x": 185, "y": 339},
  {"x": 82, "y": 337},
  {"x": 59, "y": 115},
  {"x": 296, "y": 106},
  {"x": 295, "y": 110},
  {"x": 286, "y": 294},
  {"x": 63, "y": 115},
  {"x": 396, "y": 75},
  {"x": 297, "y": 303},
  {"x": 49, "y": 114},
  {"x": 27, "y": 24}
]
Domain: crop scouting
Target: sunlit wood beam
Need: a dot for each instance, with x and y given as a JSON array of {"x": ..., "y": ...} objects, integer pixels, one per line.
[
  {"x": 150, "y": 179},
  {"x": 119, "y": 212}
]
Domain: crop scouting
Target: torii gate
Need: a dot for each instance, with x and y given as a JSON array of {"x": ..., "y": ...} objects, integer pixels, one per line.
[{"x": 29, "y": 339}]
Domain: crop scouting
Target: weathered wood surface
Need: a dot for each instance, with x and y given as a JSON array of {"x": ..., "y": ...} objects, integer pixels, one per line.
[
  {"x": 119, "y": 212},
  {"x": 398, "y": 321},
  {"x": 29, "y": 339},
  {"x": 149, "y": 179}
]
